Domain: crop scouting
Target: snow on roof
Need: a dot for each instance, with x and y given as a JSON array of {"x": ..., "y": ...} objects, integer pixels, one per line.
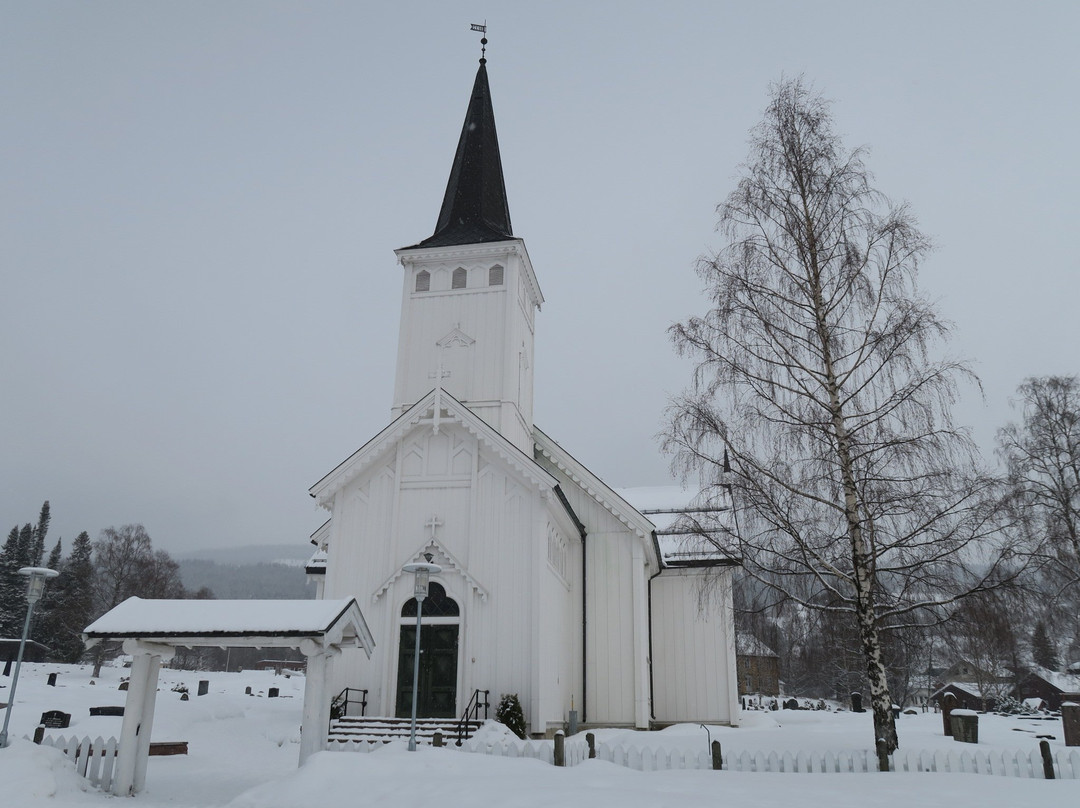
[
  {"x": 317, "y": 563},
  {"x": 970, "y": 688},
  {"x": 136, "y": 617},
  {"x": 746, "y": 644},
  {"x": 1065, "y": 682},
  {"x": 689, "y": 531}
]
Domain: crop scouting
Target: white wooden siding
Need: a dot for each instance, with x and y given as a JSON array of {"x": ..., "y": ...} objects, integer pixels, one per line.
[{"x": 692, "y": 676}]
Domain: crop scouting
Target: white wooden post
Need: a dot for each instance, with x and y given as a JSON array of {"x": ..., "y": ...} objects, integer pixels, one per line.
[
  {"x": 142, "y": 755},
  {"x": 316, "y": 715},
  {"x": 134, "y": 746},
  {"x": 124, "y": 782}
]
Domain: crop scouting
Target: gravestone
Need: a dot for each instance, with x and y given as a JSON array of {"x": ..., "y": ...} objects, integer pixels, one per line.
[
  {"x": 791, "y": 704},
  {"x": 123, "y": 686},
  {"x": 184, "y": 696},
  {"x": 204, "y": 687},
  {"x": 965, "y": 726},
  {"x": 7, "y": 667},
  {"x": 51, "y": 680},
  {"x": 1070, "y": 718},
  {"x": 948, "y": 704},
  {"x": 856, "y": 703},
  {"x": 272, "y": 693},
  {"x": 247, "y": 690},
  {"x": 55, "y": 719},
  {"x": 106, "y": 711}
]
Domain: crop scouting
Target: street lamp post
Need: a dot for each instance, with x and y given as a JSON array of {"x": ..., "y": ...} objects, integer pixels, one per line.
[
  {"x": 421, "y": 571},
  {"x": 35, "y": 587}
]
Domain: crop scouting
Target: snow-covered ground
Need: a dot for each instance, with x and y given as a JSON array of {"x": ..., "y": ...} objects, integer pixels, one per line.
[{"x": 243, "y": 752}]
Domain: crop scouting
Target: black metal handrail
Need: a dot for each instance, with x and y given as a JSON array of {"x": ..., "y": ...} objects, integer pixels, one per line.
[
  {"x": 473, "y": 707},
  {"x": 339, "y": 706}
]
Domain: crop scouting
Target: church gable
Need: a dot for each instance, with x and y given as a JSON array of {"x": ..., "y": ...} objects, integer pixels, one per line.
[
  {"x": 436, "y": 414},
  {"x": 447, "y": 454}
]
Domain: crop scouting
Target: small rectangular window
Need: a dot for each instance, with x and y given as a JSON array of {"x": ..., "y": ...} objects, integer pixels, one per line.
[
  {"x": 459, "y": 278},
  {"x": 423, "y": 281},
  {"x": 495, "y": 276}
]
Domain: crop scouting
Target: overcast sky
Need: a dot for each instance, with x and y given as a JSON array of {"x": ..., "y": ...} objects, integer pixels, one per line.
[{"x": 199, "y": 204}]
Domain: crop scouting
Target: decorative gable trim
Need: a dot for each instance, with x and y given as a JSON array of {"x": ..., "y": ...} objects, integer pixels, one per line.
[
  {"x": 592, "y": 485},
  {"x": 436, "y": 408},
  {"x": 441, "y": 556},
  {"x": 456, "y": 339}
]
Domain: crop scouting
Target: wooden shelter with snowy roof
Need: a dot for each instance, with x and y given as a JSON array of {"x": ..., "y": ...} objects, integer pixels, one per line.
[
  {"x": 554, "y": 586},
  {"x": 151, "y": 630}
]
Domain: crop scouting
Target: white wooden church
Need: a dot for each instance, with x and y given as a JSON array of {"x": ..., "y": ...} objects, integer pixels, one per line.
[{"x": 553, "y": 586}]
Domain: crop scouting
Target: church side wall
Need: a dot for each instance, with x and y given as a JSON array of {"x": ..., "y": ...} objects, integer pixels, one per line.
[
  {"x": 560, "y": 626},
  {"x": 692, "y": 648},
  {"x": 364, "y": 508},
  {"x": 609, "y": 647}
]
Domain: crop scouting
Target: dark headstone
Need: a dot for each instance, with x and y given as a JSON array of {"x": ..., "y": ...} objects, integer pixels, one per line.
[
  {"x": 1070, "y": 718},
  {"x": 204, "y": 687},
  {"x": 965, "y": 726},
  {"x": 51, "y": 682},
  {"x": 55, "y": 719},
  {"x": 7, "y": 667},
  {"x": 791, "y": 704},
  {"x": 856, "y": 703},
  {"x": 123, "y": 686},
  {"x": 106, "y": 711},
  {"x": 949, "y": 703},
  {"x": 184, "y": 696},
  {"x": 247, "y": 690},
  {"x": 272, "y": 693}
]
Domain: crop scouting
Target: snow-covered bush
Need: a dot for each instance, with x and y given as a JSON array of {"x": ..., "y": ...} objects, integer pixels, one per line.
[{"x": 509, "y": 713}]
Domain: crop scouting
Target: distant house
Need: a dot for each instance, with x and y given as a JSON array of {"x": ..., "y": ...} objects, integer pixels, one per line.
[
  {"x": 1050, "y": 686},
  {"x": 976, "y": 687},
  {"x": 968, "y": 695},
  {"x": 757, "y": 666}
]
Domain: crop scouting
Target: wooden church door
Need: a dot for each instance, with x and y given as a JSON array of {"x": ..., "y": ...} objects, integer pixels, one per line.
[{"x": 436, "y": 692}]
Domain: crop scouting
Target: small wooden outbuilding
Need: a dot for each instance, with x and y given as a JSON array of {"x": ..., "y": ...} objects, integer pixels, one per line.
[{"x": 151, "y": 630}]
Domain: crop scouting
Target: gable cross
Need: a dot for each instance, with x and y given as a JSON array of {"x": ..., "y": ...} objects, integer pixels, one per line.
[{"x": 433, "y": 524}]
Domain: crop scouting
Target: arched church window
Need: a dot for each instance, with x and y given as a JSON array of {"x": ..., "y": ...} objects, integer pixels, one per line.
[
  {"x": 495, "y": 276},
  {"x": 459, "y": 278},
  {"x": 436, "y": 604},
  {"x": 423, "y": 281}
]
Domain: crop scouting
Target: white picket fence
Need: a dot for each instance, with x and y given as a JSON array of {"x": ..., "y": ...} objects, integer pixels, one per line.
[
  {"x": 93, "y": 759},
  {"x": 648, "y": 758}
]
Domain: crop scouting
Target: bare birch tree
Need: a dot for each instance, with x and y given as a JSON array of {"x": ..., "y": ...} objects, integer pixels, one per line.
[
  {"x": 1042, "y": 453},
  {"x": 816, "y": 372}
]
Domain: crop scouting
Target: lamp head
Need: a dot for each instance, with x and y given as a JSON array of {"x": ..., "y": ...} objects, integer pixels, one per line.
[{"x": 36, "y": 584}]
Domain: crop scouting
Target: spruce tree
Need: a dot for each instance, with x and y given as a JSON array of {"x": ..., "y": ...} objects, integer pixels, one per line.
[
  {"x": 44, "y": 628},
  {"x": 37, "y": 545},
  {"x": 12, "y": 592},
  {"x": 1043, "y": 649},
  {"x": 75, "y": 601}
]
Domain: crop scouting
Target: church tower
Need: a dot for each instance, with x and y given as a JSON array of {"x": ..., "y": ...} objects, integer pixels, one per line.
[{"x": 469, "y": 294}]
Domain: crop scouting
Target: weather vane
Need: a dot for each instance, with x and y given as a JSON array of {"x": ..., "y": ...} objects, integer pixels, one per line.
[{"x": 483, "y": 40}]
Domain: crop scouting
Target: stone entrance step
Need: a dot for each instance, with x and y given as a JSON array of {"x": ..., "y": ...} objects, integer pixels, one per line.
[{"x": 381, "y": 729}]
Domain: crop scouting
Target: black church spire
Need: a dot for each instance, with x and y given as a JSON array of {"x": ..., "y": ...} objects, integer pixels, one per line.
[{"x": 474, "y": 209}]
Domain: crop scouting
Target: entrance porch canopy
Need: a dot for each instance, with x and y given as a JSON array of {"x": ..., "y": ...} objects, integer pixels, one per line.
[{"x": 151, "y": 630}]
